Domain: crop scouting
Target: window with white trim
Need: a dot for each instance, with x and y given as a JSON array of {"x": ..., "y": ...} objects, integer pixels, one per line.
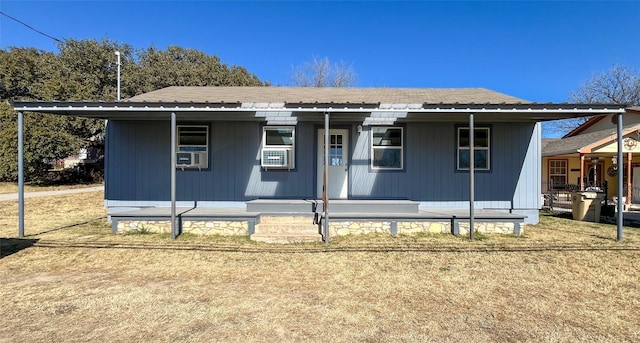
[
  {"x": 557, "y": 173},
  {"x": 481, "y": 148},
  {"x": 278, "y": 147},
  {"x": 192, "y": 146},
  {"x": 387, "y": 144}
]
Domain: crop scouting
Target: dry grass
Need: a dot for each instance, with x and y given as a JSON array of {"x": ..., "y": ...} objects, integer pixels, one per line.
[
  {"x": 562, "y": 281},
  {"x": 12, "y": 187}
]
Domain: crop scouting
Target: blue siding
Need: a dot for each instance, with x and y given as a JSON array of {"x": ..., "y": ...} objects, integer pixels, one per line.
[
  {"x": 430, "y": 173},
  {"x": 138, "y": 166}
]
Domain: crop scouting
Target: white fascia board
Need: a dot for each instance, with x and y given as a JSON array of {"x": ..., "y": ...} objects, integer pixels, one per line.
[
  {"x": 553, "y": 111},
  {"x": 562, "y": 152}
]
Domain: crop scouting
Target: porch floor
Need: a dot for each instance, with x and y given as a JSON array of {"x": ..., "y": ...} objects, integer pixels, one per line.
[{"x": 335, "y": 212}]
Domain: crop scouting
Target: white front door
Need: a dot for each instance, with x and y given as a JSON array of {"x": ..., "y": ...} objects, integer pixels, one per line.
[{"x": 338, "y": 171}]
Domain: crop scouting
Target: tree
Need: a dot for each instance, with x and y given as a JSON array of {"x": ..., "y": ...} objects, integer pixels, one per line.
[
  {"x": 618, "y": 85},
  {"x": 185, "y": 67},
  {"x": 44, "y": 142},
  {"x": 87, "y": 70},
  {"x": 320, "y": 72},
  {"x": 26, "y": 74}
]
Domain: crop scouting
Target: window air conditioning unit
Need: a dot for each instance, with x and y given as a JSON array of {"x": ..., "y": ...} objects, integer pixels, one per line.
[
  {"x": 191, "y": 159},
  {"x": 275, "y": 158}
]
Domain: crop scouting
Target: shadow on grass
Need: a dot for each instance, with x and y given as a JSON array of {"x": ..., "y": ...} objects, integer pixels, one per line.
[
  {"x": 318, "y": 248},
  {"x": 10, "y": 246},
  {"x": 627, "y": 222},
  {"x": 66, "y": 227}
]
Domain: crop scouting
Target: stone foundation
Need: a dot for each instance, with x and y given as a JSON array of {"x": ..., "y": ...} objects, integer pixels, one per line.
[
  {"x": 196, "y": 227},
  {"x": 424, "y": 227},
  {"x": 342, "y": 228},
  {"x": 358, "y": 227},
  {"x": 493, "y": 227},
  {"x": 336, "y": 228}
]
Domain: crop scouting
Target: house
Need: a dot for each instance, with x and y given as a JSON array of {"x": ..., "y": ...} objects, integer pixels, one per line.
[
  {"x": 231, "y": 160},
  {"x": 587, "y": 158}
]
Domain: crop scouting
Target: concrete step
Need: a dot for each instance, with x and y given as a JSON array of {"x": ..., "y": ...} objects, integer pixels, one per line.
[
  {"x": 286, "y": 238},
  {"x": 285, "y": 218},
  {"x": 285, "y": 227}
]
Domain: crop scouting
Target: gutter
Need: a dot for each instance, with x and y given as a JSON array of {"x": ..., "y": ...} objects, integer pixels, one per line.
[
  {"x": 560, "y": 152},
  {"x": 191, "y": 108}
]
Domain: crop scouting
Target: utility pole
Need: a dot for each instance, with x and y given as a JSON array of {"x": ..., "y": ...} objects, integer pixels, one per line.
[{"x": 118, "y": 77}]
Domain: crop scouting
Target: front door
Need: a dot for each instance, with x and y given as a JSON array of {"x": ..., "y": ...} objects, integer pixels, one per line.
[{"x": 338, "y": 171}]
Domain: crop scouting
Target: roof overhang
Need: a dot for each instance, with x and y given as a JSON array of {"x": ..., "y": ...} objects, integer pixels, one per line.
[
  {"x": 310, "y": 112},
  {"x": 592, "y": 146}
]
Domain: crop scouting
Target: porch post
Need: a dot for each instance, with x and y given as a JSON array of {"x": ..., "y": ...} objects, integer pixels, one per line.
[
  {"x": 620, "y": 177},
  {"x": 629, "y": 180},
  {"x": 581, "y": 178},
  {"x": 325, "y": 176},
  {"x": 173, "y": 175},
  {"x": 20, "y": 175},
  {"x": 472, "y": 188}
]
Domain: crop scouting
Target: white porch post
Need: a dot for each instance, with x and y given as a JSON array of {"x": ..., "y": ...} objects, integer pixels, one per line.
[
  {"x": 581, "y": 172},
  {"x": 620, "y": 218},
  {"x": 629, "y": 181},
  {"x": 472, "y": 188},
  {"x": 173, "y": 176},
  {"x": 325, "y": 186},
  {"x": 20, "y": 175}
]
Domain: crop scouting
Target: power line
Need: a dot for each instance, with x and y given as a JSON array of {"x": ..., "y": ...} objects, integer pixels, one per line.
[{"x": 31, "y": 27}]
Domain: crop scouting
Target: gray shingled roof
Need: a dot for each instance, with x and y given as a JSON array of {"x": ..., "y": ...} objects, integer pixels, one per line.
[
  {"x": 546, "y": 141},
  {"x": 575, "y": 143},
  {"x": 329, "y": 95}
]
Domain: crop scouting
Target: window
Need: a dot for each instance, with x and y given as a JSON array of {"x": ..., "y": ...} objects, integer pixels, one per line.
[
  {"x": 193, "y": 147},
  {"x": 336, "y": 150},
  {"x": 557, "y": 173},
  {"x": 278, "y": 144},
  {"x": 481, "y": 148},
  {"x": 386, "y": 148}
]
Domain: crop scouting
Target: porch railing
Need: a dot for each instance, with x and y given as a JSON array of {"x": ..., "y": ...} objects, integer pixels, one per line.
[{"x": 560, "y": 194}]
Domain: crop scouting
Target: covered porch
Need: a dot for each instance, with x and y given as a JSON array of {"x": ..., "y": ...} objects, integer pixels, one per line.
[
  {"x": 592, "y": 162},
  {"x": 290, "y": 221},
  {"x": 321, "y": 111}
]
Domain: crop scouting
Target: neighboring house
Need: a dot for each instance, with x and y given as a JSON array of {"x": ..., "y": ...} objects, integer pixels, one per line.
[
  {"x": 242, "y": 152},
  {"x": 586, "y": 158}
]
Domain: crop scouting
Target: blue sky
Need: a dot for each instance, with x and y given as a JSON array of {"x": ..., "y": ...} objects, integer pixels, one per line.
[{"x": 538, "y": 51}]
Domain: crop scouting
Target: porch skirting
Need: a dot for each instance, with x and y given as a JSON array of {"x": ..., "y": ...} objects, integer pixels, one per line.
[
  {"x": 337, "y": 227},
  {"x": 456, "y": 227},
  {"x": 196, "y": 227},
  {"x": 293, "y": 220}
]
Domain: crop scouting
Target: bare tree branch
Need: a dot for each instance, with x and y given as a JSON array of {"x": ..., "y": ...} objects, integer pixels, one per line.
[
  {"x": 320, "y": 72},
  {"x": 618, "y": 85}
]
